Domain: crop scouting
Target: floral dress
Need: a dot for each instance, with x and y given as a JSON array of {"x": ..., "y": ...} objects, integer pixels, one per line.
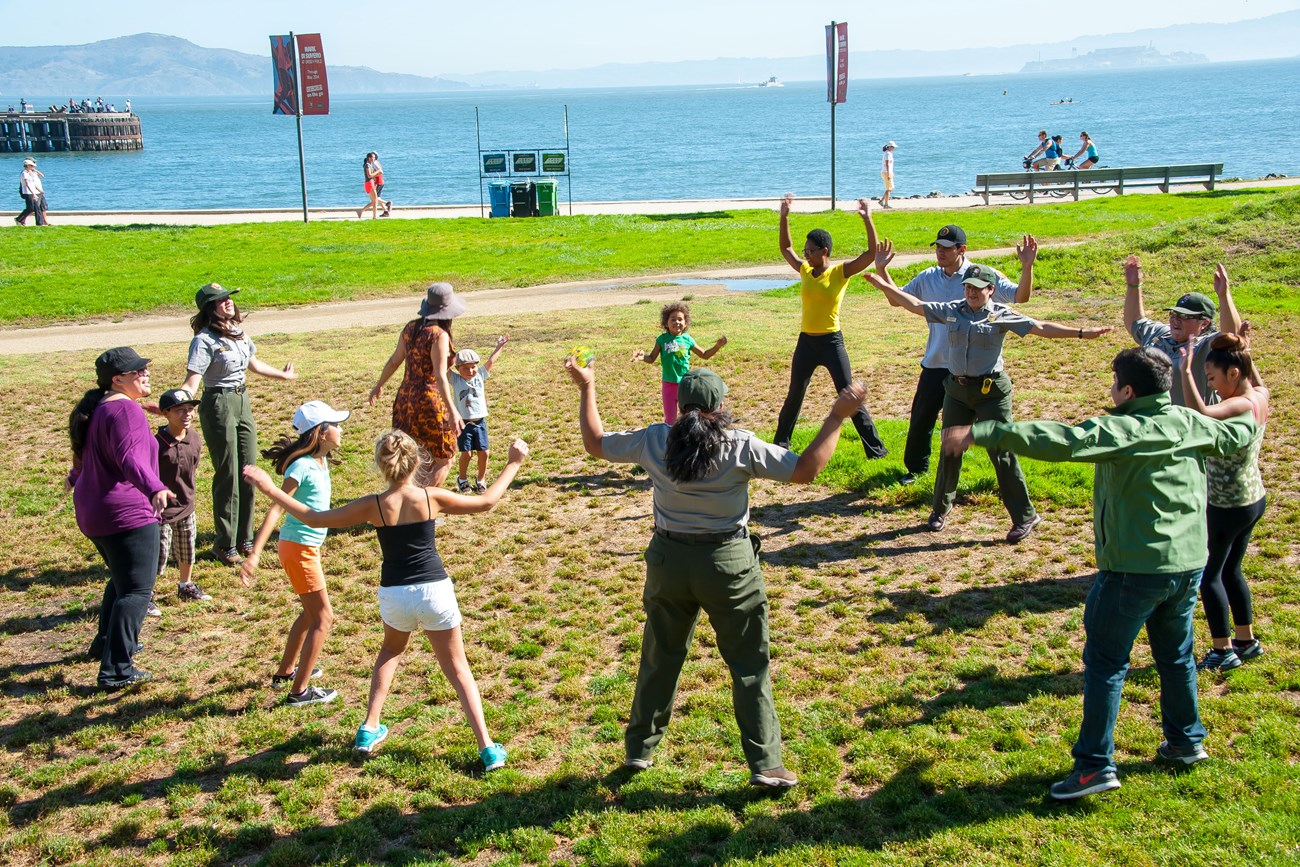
[{"x": 418, "y": 407}]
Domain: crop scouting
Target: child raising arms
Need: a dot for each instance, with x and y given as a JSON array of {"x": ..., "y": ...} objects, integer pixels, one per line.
[
  {"x": 415, "y": 591},
  {"x": 304, "y": 463},
  {"x": 673, "y": 348}
]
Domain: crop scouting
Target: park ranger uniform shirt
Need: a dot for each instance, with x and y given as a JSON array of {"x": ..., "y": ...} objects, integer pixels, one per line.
[
  {"x": 975, "y": 336},
  {"x": 934, "y": 286}
]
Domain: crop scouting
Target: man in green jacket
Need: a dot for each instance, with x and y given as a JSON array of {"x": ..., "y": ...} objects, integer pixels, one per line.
[{"x": 1148, "y": 520}]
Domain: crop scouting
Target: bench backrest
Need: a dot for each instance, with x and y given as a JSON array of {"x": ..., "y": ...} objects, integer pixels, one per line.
[{"x": 1100, "y": 175}]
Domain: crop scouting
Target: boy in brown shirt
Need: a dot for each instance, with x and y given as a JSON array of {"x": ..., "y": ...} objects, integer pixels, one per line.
[{"x": 179, "y": 448}]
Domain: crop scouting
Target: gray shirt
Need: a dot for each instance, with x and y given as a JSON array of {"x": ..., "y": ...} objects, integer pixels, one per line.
[
  {"x": 1148, "y": 332},
  {"x": 471, "y": 399},
  {"x": 718, "y": 504},
  {"x": 975, "y": 336},
  {"x": 222, "y": 361},
  {"x": 933, "y": 285}
]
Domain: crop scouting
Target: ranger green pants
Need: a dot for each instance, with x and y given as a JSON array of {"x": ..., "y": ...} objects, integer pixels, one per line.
[
  {"x": 724, "y": 579},
  {"x": 226, "y": 418},
  {"x": 967, "y": 404}
]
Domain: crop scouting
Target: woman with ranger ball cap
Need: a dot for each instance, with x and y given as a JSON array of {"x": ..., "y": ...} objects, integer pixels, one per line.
[{"x": 701, "y": 555}]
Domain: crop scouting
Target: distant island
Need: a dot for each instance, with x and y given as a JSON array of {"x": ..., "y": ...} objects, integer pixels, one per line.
[{"x": 1129, "y": 57}]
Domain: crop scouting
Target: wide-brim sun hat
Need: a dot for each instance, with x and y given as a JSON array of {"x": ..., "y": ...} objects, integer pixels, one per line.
[
  {"x": 441, "y": 302},
  {"x": 212, "y": 292}
]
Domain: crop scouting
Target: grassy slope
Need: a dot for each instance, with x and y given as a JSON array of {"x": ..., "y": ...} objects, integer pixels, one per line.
[
  {"x": 928, "y": 686},
  {"x": 72, "y": 272}
]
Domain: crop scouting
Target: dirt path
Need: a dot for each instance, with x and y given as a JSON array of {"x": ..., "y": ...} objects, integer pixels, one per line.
[{"x": 582, "y": 294}]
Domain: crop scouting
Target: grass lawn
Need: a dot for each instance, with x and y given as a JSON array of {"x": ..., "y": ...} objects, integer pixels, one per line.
[
  {"x": 928, "y": 685},
  {"x": 71, "y": 272}
]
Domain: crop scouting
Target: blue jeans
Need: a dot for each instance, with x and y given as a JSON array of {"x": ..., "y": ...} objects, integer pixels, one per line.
[{"x": 1118, "y": 606}]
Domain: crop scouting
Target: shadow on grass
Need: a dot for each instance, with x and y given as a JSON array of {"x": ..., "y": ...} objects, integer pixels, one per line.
[
  {"x": 692, "y": 215},
  {"x": 608, "y": 483},
  {"x": 19, "y": 578},
  {"x": 42, "y": 623},
  {"x": 971, "y": 607},
  {"x": 978, "y": 691}
]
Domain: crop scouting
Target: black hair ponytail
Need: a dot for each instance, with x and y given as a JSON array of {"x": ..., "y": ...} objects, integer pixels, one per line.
[{"x": 695, "y": 443}]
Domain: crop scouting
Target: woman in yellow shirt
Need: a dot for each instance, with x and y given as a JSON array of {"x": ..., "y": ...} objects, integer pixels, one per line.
[{"x": 821, "y": 343}]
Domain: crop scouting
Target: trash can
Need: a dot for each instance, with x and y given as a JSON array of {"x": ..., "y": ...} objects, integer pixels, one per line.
[
  {"x": 499, "y": 196},
  {"x": 523, "y": 199},
  {"x": 546, "y": 197}
]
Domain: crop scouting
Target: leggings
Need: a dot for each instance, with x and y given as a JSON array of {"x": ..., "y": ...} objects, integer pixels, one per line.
[
  {"x": 1223, "y": 588},
  {"x": 811, "y": 352},
  {"x": 668, "y": 392}
]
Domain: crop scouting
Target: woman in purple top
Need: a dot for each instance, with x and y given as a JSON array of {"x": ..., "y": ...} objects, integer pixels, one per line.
[{"x": 118, "y": 498}]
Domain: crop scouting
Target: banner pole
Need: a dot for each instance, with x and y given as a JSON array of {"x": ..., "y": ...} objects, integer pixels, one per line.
[
  {"x": 568, "y": 181},
  {"x": 478, "y": 140},
  {"x": 302, "y": 163}
]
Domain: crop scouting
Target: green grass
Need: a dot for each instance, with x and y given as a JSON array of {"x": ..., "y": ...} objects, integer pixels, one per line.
[
  {"x": 928, "y": 686},
  {"x": 73, "y": 272}
]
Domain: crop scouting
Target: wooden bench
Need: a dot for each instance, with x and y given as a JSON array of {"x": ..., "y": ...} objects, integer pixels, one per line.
[{"x": 1020, "y": 185}]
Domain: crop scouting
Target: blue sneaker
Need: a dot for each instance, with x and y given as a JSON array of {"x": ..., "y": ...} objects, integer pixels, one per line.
[
  {"x": 1082, "y": 783},
  {"x": 493, "y": 757},
  {"x": 368, "y": 740}
]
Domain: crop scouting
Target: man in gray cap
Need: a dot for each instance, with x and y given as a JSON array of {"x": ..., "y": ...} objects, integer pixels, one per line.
[
  {"x": 1191, "y": 326},
  {"x": 33, "y": 193},
  {"x": 937, "y": 284}
]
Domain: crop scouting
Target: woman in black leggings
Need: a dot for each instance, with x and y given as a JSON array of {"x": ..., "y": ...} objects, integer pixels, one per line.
[{"x": 1236, "y": 500}]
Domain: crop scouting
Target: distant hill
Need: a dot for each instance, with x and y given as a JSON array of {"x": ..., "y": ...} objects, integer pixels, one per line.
[
  {"x": 1128, "y": 57},
  {"x": 150, "y": 64}
]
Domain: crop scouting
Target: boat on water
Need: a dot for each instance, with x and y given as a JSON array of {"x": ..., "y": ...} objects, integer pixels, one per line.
[{"x": 771, "y": 82}]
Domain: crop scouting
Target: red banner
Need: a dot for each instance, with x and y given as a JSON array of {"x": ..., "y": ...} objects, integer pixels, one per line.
[
  {"x": 286, "y": 82},
  {"x": 311, "y": 66},
  {"x": 830, "y": 62},
  {"x": 842, "y": 65}
]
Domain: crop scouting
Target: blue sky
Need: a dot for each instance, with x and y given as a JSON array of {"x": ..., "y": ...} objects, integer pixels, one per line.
[{"x": 428, "y": 37}]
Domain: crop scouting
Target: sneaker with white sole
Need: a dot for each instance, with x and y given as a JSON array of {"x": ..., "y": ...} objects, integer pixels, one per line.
[
  {"x": 188, "y": 591},
  {"x": 152, "y": 610},
  {"x": 462, "y": 485},
  {"x": 774, "y": 778},
  {"x": 310, "y": 695},
  {"x": 1248, "y": 651},
  {"x": 1082, "y": 783},
  {"x": 638, "y": 764},
  {"x": 480, "y": 487},
  {"x": 1219, "y": 659},
  {"x": 368, "y": 739},
  {"x": 1173, "y": 755},
  {"x": 493, "y": 756}
]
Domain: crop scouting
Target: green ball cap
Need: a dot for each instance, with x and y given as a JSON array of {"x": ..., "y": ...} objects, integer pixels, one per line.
[
  {"x": 1194, "y": 304},
  {"x": 701, "y": 387},
  {"x": 980, "y": 276}
]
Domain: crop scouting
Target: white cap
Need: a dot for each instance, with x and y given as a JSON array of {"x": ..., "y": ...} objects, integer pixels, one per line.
[
  {"x": 29, "y": 162},
  {"x": 890, "y": 145},
  {"x": 317, "y": 412}
]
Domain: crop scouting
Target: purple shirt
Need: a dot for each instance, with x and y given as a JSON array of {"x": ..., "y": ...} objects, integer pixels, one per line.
[{"x": 119, "y": 471}]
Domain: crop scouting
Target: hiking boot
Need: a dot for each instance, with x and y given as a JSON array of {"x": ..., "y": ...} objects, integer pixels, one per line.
[
  {"x": 1180, "y": 755},
  {"x": 480, "y": 488},
  {"x": 1082, "y": 783},
  {"x": 282, "y": 680},
  {"x": 774, "y": 778},
  {"x": 462, "y": 485},
  {"x": 1020, "y": 531},
  {"x": 368, "y": 740},
  {"x": 152, "y": 609},
  {"x": 637, "y": 764},
  {"x": 493, "y": 757},
  {"x": 1225, "y": 659},
  {"x": 228, "y": 556},
  {"x": 137, "y": 679},
  {"x": 936, "y": 522},
  {"x": 907, "y": 479},
  {"x": 1248, "y": 651},
  {"x": 191, "y": 592},
  {"x": 310, "y": 695}
]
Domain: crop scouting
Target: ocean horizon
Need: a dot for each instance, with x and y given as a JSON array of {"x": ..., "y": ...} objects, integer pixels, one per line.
[{"x": 686, "y": 142}]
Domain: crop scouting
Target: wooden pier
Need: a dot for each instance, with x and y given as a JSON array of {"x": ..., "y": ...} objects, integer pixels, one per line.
[{"x": 45, "y": 132}]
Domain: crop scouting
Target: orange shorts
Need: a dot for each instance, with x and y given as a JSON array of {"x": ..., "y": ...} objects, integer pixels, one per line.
[{"x": 302, "y": 564}]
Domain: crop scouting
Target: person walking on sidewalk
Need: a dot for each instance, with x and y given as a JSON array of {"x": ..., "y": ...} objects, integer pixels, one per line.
[
  {"x": 33, "y": 193},
  {"x": 939, "y": 283},
  {"x": 821, "y": 343},
  {"x": 887, "y": 172},
  {"x": 1148, "y": 521}
]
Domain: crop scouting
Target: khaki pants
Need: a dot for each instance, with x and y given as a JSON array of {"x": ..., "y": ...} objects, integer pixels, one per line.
[{"x": 725, "y": 580}]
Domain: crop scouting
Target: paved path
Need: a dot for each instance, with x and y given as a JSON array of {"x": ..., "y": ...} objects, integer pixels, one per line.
[{"x": 338, "y": 315}]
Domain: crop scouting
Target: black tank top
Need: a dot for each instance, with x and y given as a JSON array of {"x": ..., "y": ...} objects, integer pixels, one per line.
[{"x": 410, "y": 551}]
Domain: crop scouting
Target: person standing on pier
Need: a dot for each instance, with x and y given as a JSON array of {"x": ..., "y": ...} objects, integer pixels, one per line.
[{"x": 33, "y": 193}]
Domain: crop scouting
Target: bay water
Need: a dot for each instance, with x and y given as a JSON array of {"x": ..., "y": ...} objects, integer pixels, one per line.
[{"x": 721, "y": 141}]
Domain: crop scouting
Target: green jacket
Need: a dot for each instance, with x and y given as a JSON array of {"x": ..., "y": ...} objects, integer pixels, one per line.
[{"x": 1148, "y": 493}]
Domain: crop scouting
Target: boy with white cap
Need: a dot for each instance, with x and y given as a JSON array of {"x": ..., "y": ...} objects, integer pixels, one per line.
[{"x": 471, "y": 403}]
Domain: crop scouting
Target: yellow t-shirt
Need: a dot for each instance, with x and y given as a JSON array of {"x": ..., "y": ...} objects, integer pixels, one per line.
[{"x": 821, "y": 298}]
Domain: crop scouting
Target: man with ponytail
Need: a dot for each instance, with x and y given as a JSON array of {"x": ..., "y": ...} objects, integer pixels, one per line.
[{"x": 701, "y": 555}]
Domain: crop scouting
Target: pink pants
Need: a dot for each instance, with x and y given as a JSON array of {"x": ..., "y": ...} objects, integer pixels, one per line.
[{"x": 669, "y": 394}]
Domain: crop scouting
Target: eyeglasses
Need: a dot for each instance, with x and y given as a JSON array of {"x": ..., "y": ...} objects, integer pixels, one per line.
[{"x": 1183, "y": 317}]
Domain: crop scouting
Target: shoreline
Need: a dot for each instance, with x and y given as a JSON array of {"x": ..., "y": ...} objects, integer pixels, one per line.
[{"x": 804, "y": 204}]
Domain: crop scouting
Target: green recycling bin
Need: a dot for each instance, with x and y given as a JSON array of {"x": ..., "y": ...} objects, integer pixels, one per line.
[{"x": 546, "y": 188}]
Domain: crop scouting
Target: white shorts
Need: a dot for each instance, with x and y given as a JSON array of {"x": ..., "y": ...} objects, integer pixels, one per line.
[{"x": 430, "y": 607}]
